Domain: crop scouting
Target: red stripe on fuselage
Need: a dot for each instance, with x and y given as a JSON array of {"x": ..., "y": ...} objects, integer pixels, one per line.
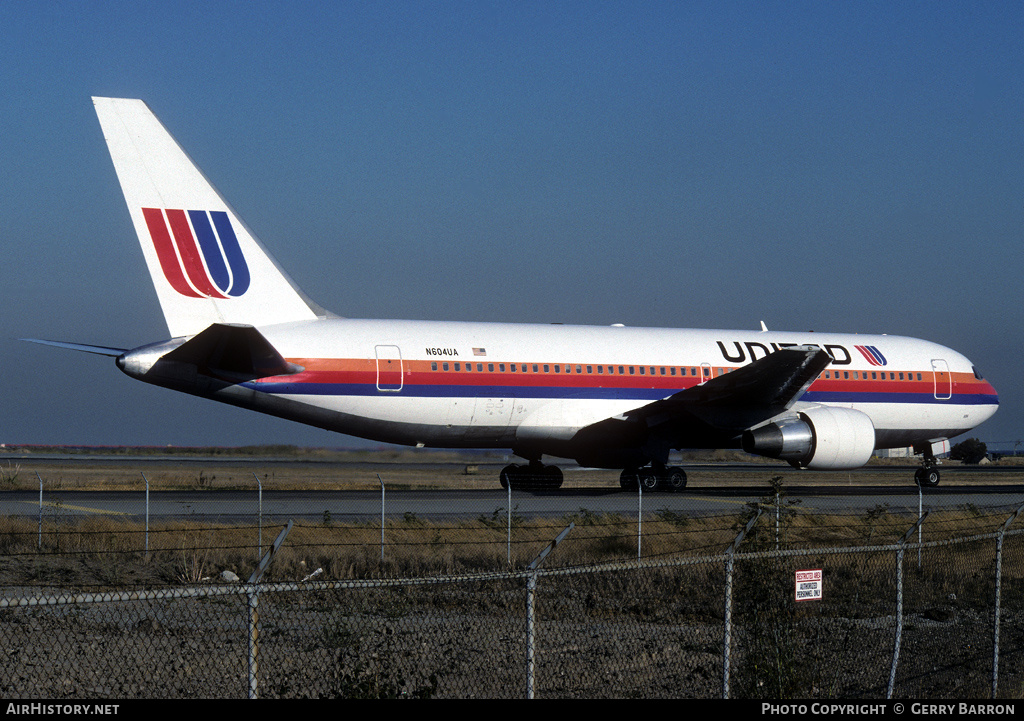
[{"x": 420, "y": 373}]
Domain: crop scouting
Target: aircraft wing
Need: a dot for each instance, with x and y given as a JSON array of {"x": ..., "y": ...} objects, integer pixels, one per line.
[{"x": 743, "y": 397}]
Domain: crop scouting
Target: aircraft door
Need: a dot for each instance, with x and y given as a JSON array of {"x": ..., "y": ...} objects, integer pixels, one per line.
[
  {"x": 705, "y": 373},
  {"x": 389, "y": 368},
  {"x": 943, "y": 379}
]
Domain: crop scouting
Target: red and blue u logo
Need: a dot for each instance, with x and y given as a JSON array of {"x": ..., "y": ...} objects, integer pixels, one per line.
[
  {"x": 871, "y": 354},
  {"x": 198, "y": 252}
]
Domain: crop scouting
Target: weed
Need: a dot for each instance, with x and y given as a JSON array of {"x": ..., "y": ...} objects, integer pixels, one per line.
[{"x": 9, "y": 475}]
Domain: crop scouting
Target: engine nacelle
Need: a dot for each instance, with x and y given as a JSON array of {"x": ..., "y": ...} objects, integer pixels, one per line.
[{"x": 821, "y": 438}]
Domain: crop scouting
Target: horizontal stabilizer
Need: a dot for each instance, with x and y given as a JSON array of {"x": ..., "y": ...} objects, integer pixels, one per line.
[
  {"x": 232, "y": 352},
  {"x": 96, "y": 349}
]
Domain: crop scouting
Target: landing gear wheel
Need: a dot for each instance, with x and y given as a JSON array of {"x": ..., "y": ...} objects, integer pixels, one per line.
[
  {"x": 649, "y": 479},
  {"x": 926, "y": 477},
  {"x": 509, "y": 476},
  {"x": 552, "y": 477},
  {"x": 675, "y": 479},
  {"x": 629, "y": 479},
  {"x": 531, "y": 477}
]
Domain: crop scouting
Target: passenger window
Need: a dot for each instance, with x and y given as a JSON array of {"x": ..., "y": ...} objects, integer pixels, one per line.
[
  {"x": 444, "y": 366},
  {"x": 433, "y": 366}
]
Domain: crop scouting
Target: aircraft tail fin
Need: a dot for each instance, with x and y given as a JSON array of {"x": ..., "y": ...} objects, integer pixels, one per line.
[{"x": 206, "y": 265}]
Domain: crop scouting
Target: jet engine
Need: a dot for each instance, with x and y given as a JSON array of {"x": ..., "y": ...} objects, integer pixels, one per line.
[{"x": 822, "y": 437}]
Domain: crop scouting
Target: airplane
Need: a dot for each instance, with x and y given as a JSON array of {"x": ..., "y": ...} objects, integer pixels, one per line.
[{"x": 241, "y": 332}]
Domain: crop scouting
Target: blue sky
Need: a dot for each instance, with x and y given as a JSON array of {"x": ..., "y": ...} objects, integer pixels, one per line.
[{"x": 850, "y": 167}]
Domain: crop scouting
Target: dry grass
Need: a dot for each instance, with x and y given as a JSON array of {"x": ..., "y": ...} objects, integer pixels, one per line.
[
  {"x": 288, "y": 468},
  {"x": 105, "y": 551}
]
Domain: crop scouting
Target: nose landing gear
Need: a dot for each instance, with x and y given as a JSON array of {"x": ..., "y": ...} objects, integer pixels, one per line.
[{"x": 927, "y": 476}]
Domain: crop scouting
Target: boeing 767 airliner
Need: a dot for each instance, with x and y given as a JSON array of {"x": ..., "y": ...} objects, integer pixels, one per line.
[{"x": 241, "y": 332}]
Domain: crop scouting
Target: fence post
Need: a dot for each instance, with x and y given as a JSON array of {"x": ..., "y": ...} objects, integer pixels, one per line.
[
  {"x": 259, "y": 514},
  {"x": 381, "y": 518},
  {"x": 531, "y": 587},
  {"x": 254, "y": 615},
  {"x": 729, "y": 563},
  {"x": 147, "y": 512},
  {"x": 999, "y": 578},
  {"x": 899, "y": 603},
  {"x": 40, "y": 543},
  {"x": 639, "y": 517}
]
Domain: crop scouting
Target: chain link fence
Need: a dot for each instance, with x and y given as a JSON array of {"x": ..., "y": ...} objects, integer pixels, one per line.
[{"x": 673, "y": 602}]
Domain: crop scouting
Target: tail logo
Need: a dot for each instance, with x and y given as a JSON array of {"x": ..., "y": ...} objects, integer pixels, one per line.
[
  {"x": 198, "y": 252},
  {"x": 871, "y": 354}
]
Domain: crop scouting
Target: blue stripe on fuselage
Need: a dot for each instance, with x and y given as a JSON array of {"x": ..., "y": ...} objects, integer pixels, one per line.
[{"x": 554, "y": 392}]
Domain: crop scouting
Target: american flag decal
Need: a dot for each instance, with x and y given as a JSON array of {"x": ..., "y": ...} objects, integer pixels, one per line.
[{"x": 479, "y": 351}]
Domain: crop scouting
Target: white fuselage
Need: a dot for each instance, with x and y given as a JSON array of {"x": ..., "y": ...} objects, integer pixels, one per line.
[{"x": 454, "y": 384}]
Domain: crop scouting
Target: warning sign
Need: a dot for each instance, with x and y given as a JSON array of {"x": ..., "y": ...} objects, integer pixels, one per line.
[{"x": 809, "y": 585}]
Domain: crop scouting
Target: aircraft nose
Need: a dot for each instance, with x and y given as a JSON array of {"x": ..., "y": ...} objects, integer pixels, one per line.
[{"x": 988, "y": 408}]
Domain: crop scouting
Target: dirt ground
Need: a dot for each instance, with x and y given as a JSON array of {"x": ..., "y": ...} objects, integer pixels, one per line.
[{"x": 322, "y": 469}]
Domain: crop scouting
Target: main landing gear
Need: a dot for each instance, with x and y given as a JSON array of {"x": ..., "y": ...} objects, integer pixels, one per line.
[
  {"x": 927, "y": 476},
  {"x": 535, "y": 476},
  {"x": 656, "y": 477}
]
